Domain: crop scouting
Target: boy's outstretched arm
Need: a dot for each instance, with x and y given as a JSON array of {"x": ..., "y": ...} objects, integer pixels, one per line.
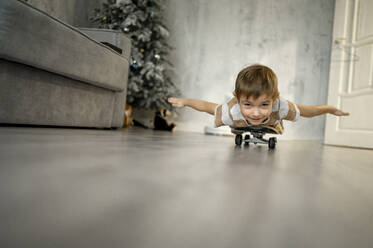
[
  {"x": 196, "y": 104},
  {"x": 311, "y": 111}
]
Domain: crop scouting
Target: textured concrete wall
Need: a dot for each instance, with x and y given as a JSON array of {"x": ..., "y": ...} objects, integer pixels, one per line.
[
  {"x": 73, "y": 12},
  {"x": 214, "y": 40}
]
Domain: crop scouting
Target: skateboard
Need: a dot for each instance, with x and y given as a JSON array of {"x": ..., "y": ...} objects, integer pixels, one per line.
[{"x": 257, "y": 133}]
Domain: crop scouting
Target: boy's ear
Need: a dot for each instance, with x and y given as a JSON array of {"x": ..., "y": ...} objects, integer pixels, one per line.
[{"x": 234, "y": 93}]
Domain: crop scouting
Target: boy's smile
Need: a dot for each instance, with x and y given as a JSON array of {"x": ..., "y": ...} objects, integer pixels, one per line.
[{"x": 256, "y": 110}]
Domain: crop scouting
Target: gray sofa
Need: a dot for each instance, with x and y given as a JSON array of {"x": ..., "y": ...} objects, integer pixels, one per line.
[{"x": 54, "y": 74}]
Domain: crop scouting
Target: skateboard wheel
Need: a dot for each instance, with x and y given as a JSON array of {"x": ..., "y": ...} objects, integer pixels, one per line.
[
  {"x": 238, "y": 139},
  {"x": 272, "y": 143}
]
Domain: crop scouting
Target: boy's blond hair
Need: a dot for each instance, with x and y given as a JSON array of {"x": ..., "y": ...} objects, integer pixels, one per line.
[{"x": 256, "y": 80}]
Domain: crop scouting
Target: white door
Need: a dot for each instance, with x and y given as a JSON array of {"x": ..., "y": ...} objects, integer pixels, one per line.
[{"x": 351, "y": 75}]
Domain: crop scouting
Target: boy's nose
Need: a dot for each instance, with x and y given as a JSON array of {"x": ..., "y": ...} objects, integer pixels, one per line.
[{"x": 256, "y": 112}]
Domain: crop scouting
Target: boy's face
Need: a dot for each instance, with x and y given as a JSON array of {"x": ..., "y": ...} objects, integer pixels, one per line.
[{"x": 256, "y": 110}]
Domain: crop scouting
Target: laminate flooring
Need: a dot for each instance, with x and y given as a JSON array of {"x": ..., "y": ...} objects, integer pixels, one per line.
[{"x": 137, "y": 188}]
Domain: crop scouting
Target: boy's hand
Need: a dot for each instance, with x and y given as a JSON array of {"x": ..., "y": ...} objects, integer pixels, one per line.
[
  {"x": 339, "y": 112},
  {"x": 176, "y": 102}
]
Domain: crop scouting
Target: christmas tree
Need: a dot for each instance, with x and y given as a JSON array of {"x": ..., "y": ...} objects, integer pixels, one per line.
[{"x": 149, "y": 83}]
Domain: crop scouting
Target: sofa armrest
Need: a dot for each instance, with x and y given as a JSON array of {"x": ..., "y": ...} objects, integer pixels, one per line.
[
  {"x": 32, "y": 37},
  {"x": 114, "y": 37}
]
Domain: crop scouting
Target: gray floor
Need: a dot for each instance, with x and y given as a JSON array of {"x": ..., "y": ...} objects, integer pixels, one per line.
[{"x": 140, "y": 188}]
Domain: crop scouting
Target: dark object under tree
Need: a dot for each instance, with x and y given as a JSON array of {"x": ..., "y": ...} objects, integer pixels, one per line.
[{"x": 160, "y": 121}]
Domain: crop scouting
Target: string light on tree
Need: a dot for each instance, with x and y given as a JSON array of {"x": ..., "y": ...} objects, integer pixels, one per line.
[{"x": 134, "y": 65}]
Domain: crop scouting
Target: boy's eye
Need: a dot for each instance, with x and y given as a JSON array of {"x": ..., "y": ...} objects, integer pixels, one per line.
[
  {"x": 265, "y": 104},
  {"x": 247, "y": 104}
]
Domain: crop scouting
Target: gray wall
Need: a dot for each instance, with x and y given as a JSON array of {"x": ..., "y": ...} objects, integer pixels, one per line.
[
  {"x": 214, "y": 40},
  {"x": 73, "y": 12}
]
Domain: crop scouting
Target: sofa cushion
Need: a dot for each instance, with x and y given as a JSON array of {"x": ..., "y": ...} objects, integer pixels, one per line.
[{"x": 32, "y": 37}]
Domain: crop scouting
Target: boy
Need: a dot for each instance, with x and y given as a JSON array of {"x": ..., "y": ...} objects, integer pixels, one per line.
[{"x": 256, "y": 102}]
